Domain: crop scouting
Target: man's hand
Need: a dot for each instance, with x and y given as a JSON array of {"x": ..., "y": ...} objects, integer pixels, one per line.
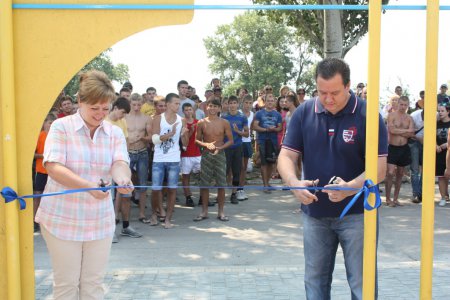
[
  {"x": 334, "y": 195},
  {"x": 236, "y": 129},
  {"x": 447, "y": 173},
  {"x": 210, "y": 146},
  {"x": 305, "y": 196},
  {"x": 174, "y": 128},
  {"x": 124, "y": 181}
]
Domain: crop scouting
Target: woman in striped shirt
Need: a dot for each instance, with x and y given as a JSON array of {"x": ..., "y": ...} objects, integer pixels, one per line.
[{"x": 81, "y": 151}]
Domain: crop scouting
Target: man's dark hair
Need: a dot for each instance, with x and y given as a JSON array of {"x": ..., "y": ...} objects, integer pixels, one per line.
[
  {"x": 195, "y": 98},
  {"x": 291, "y": 98},
  {"x": 232, "y": 98},
  {"x": 128, "y": 85},
  {"x": 403, "y": 98},
  {"x": 247, "y": 98},
  {"x": 151, "y": 89},
  {"x": 182, "y": 82},
  {"x": 122, "y": 103},
  {"x": 214, "y": 101},
  {"x": 124, "y": 89},
  {"x": 170, "y": 97},
  {"x": 329, "y": 67},
  {"x": 187, "y": 104},
  {"x": 65, "y": 98},
  {"x": 212, "y": 80}
]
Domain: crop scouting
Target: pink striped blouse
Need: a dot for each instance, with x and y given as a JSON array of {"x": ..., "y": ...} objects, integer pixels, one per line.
[{"x": 81, "y": 217}]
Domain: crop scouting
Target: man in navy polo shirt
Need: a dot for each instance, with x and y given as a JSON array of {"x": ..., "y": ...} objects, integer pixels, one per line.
[{"x": 329, "y": 131}]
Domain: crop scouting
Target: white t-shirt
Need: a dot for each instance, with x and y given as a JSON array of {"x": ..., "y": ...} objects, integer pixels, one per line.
[
  {"x": 250, "y": 120},
  {"x": 418, "y": 122}
]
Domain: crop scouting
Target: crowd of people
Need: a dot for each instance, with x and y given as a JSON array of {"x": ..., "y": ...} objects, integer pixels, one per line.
[
  {"x": 215, "y": 138},
  {"x": 257, "y": 128}
]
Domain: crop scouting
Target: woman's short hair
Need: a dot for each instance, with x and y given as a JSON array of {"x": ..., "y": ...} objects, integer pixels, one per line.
[{"x": 95, "y": 87}]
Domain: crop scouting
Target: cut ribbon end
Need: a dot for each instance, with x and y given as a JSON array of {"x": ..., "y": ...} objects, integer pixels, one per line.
[
  {"x": 368, "y": 188},
  {"x": 10, "y": 195}
]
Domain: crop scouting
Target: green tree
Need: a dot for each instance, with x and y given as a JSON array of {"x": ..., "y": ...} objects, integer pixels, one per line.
[
  {"x": 332, "y": 33},
  {"x": 252, "y": 51},
  {"x": 103, "y": 62}
]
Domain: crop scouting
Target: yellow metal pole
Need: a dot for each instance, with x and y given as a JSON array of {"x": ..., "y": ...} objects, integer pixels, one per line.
[
  {"x": 429, "y": 150},
  {"x": 9, "y": 159},
  {"x": 370, "y": 218}
]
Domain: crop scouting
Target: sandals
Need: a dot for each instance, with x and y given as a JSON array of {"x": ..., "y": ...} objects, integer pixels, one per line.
[
  {"x": 223, "y": 218},
  {"x": 200, "y": 218},
  {"x": 144, "y": 220}
]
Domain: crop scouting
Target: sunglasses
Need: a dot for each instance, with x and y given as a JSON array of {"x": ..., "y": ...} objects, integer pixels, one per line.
[{"x": 268, "y": 89}]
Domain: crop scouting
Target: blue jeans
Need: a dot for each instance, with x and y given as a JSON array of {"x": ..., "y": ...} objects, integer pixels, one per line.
[
  {"x": 170, "y": 169},
  {"x": 416, "y": 161},
  {"x": 139, "y": 163},
  {"x": 321, "y": 239}
]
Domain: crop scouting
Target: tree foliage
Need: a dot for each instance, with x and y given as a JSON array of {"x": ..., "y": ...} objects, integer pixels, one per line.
[
  {"x": 312, "y": 24},
  {"x": 103, "y": 62},
  {"x": 252, "y": 51}
]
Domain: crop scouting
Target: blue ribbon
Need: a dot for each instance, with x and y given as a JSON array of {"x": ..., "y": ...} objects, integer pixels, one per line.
[
  {"x": 369, "y": 187},
  {"x": 10, "y": 195}
]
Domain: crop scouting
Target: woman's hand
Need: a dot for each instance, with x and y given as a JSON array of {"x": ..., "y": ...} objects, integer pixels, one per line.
[{"x": 99, "y": 194}]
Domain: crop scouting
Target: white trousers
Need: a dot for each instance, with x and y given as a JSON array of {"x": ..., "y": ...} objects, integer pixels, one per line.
[{"x": 78, "y": 267}]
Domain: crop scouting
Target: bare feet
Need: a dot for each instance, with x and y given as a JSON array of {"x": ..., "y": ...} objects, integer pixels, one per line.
[
  {"x": 397, "y": 203},
  {"x": 154, "y": 220},
  {"x": 167, "y": 225}
]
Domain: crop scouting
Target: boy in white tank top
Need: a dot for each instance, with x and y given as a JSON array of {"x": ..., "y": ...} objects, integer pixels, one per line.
[{"x": 167, "y": 129}]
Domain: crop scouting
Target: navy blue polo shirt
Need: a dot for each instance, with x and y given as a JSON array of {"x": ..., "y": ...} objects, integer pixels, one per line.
[
  {"x": 241, "y": 121},
  {"x": 331, "y": 145}
]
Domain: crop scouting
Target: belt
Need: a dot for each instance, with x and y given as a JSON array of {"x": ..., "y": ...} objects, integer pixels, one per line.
[{"x": 137, "y": 151}]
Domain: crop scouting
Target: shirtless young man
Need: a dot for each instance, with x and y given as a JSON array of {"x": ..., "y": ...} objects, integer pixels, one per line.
[
  {"x": 167, "y": 130},
  {"x": 211, "y": 132},
  {"x": 400, "y": 128},
  {"x": 139, "y": 135}
]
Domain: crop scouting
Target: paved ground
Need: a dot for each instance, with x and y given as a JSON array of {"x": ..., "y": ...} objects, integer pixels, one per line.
[{"x": 257, "y": 255}]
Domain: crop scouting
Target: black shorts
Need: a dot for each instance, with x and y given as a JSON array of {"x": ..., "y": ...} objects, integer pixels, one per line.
[
  {"x": 39, "y": 182},
  {"x": 399, "y": 155},
  {"x": 268, "y": 152}
]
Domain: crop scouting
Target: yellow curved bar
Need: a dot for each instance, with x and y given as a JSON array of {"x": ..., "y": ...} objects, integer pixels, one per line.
[
  {"x": 50, "y": 46},
  {"x": 370, "y": 217},
  {"x": 9, "y": 159},
  {"x": 429, "y": 150}
]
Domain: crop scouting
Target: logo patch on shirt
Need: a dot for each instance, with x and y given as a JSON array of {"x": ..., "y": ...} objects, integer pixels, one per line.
[{"x": 349, "y": 135}]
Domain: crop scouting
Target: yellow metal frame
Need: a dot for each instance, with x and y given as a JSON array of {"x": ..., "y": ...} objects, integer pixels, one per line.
[
  {"x": 370, "y": 217},
  {"x": 429, "y": 151}
]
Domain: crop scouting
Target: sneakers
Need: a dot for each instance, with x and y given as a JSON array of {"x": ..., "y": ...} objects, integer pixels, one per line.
[
  {"x": 129, "y": 231},
  {"x": 442, "y": 202},
  {"x": 189, "y": 201},
  {"x": 241, "y": 196},
  {"x": 233, "y": 199},
  {"x": 417, "y": 199},
  {"x": 115, "y": 238}
]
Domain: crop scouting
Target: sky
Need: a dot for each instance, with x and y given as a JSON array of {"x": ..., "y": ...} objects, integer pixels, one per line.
[{"x": 403, "y": 38}]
